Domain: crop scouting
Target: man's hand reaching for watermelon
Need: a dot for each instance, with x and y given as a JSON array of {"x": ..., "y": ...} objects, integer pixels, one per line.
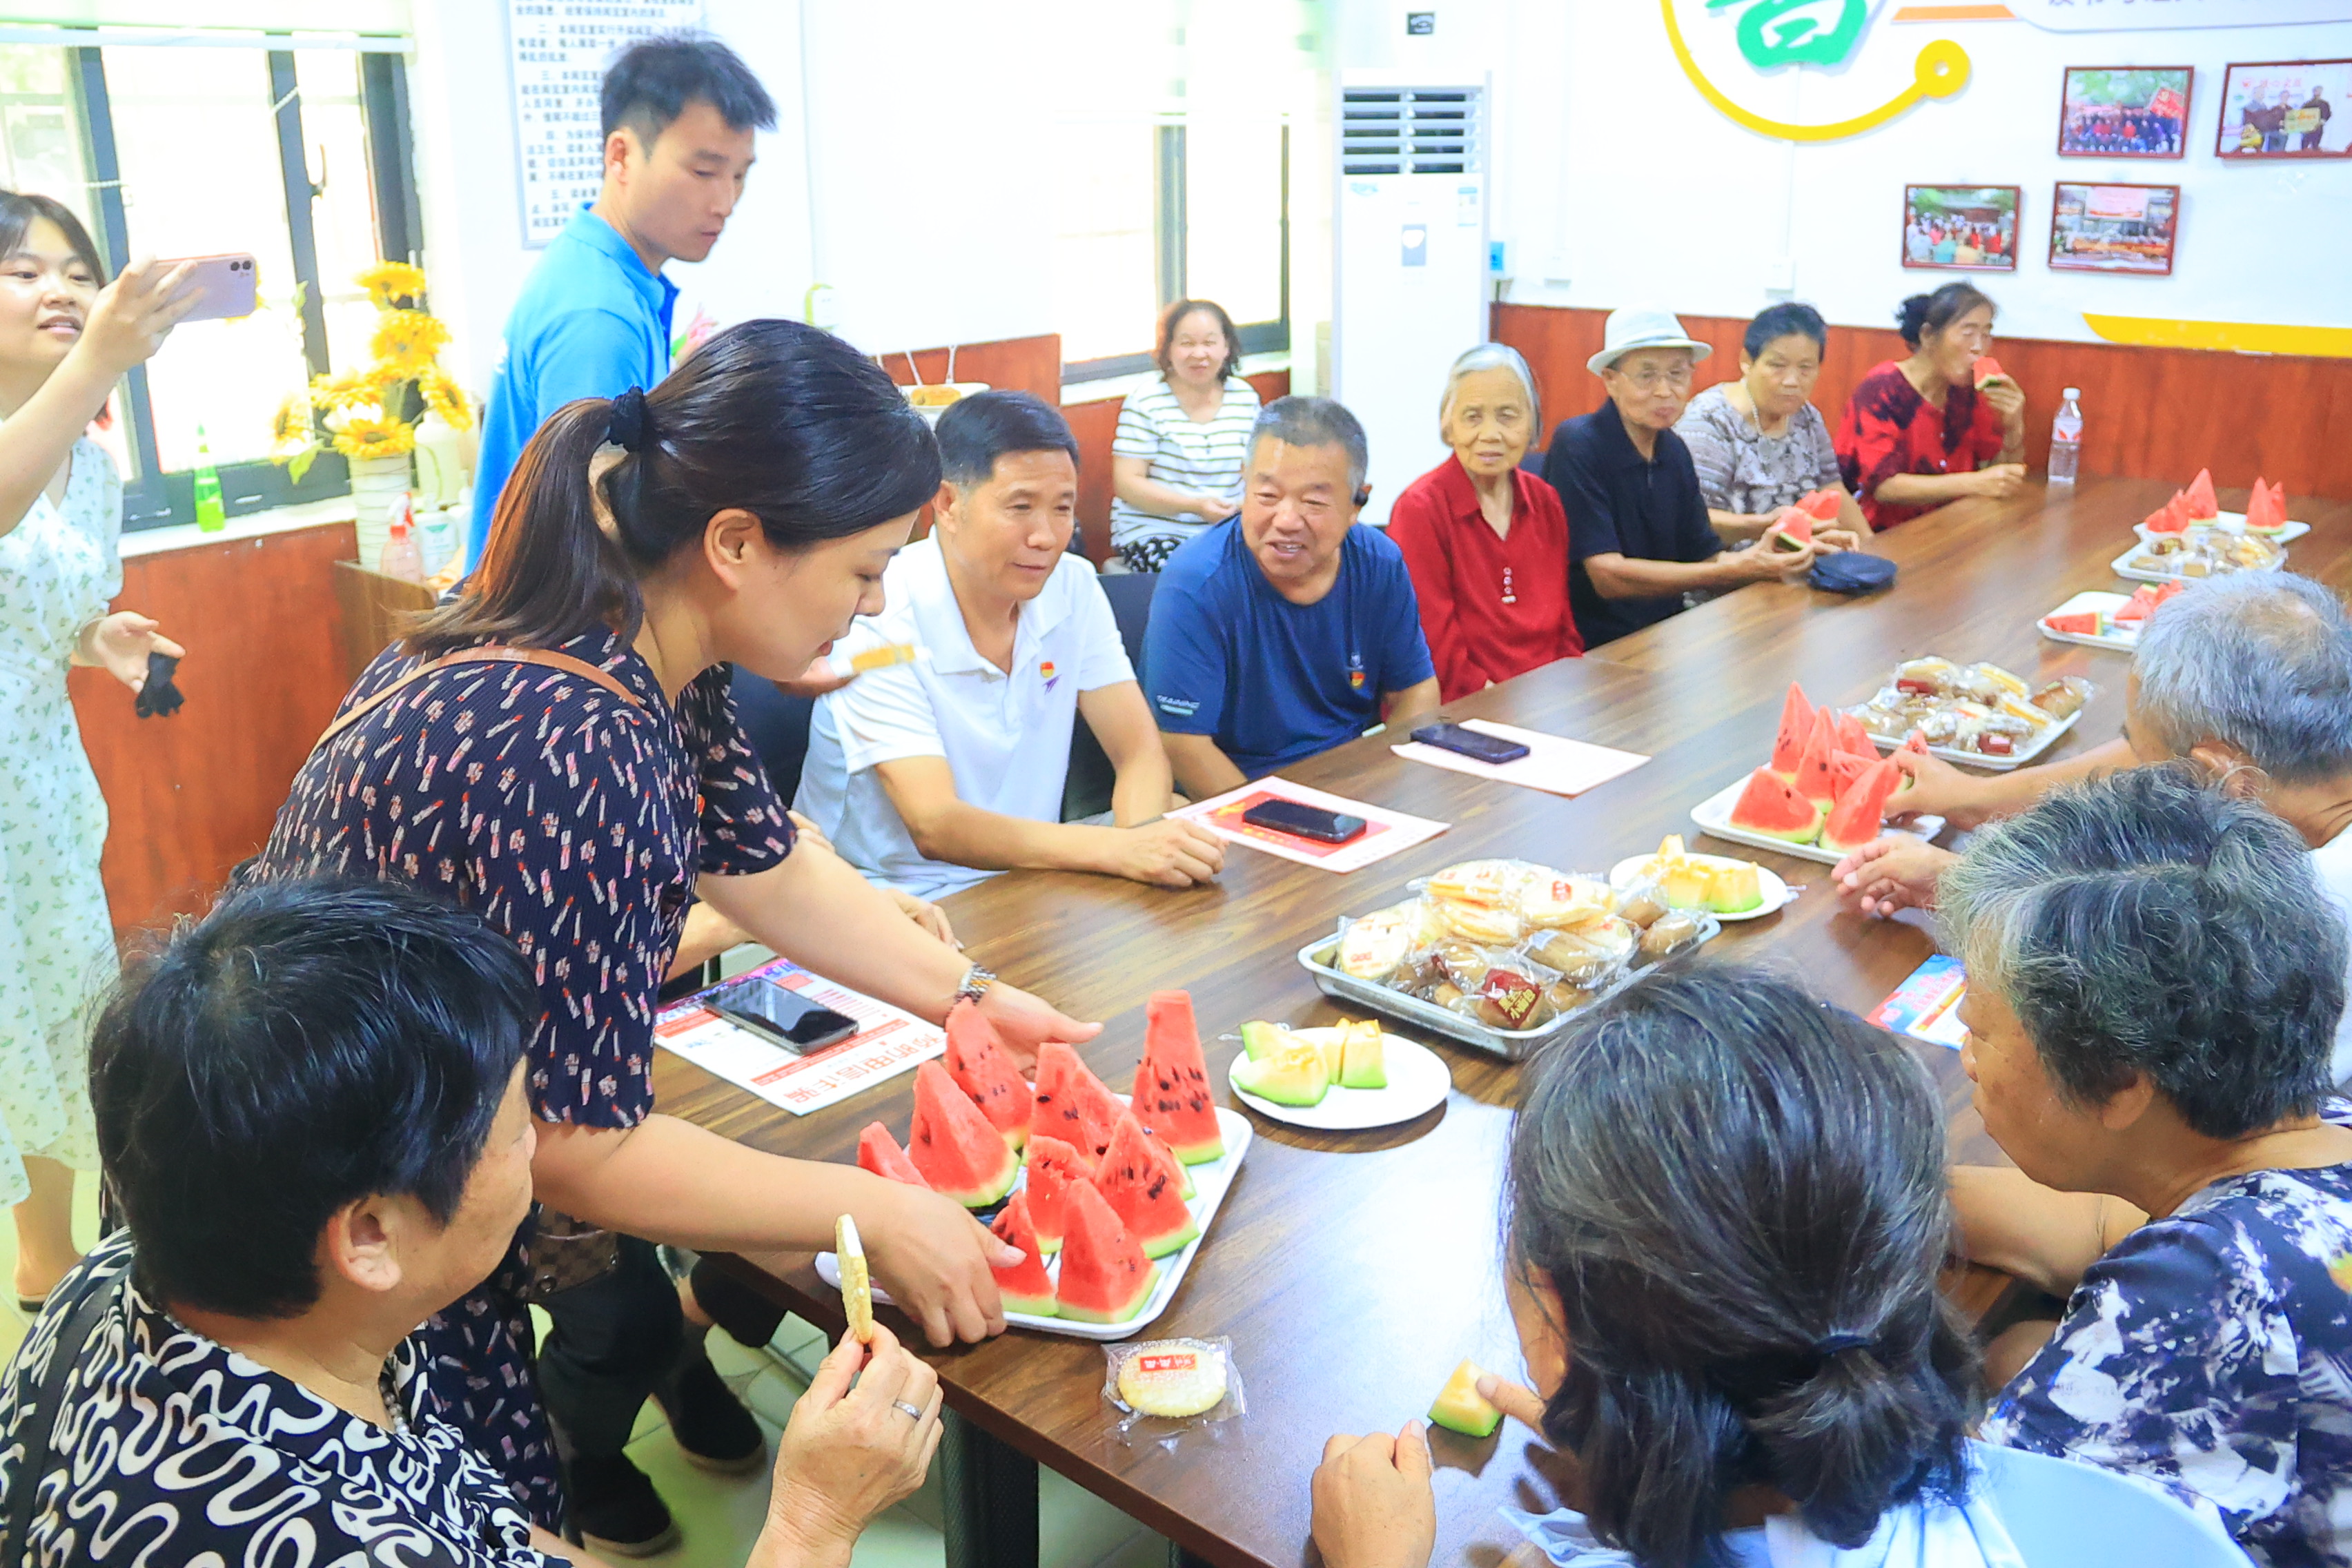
[{"x": 934, "y": 1259}]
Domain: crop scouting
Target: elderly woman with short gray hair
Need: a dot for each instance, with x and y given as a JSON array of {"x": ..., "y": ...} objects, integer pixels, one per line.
[
  {"x": 2154, "y": 984},
  {"x": 2250, "y": 677},
  {"x": 1486, "y": 542}
]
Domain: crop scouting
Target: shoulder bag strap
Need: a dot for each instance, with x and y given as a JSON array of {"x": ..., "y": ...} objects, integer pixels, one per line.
[
  {"x": 40, "y": 1421},
  {"x": 546, "y": 657}
]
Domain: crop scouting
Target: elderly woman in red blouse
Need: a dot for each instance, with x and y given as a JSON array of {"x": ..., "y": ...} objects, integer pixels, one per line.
[
  {"x": 1486, "y": 543},
  {"x": 1920, "y": 432}
]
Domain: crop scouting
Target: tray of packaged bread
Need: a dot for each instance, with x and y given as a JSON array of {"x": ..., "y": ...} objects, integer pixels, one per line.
[{"x": 1502, "y": 954}]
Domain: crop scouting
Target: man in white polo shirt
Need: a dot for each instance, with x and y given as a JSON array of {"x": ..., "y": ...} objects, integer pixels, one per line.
[{"x": 933, "y": 774}]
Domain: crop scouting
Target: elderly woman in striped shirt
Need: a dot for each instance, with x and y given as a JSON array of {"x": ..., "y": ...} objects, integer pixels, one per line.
[{"x": 1176, "y": 462}]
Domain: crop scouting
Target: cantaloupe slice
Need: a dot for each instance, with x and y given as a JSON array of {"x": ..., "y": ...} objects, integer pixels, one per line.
[
  {"x": 1460, "y": 1407},
  {"x": 1296, "y": 1075},
  {"x": 1363, "y": 1062}
]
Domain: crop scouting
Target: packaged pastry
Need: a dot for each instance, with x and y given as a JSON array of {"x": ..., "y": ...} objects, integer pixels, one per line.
[
  {"x": 1480, "y": 884},
  {"x": 1496, "y": 925},
  {"x": 1668, "y": 934},
  {"x": 1932, "y": 676},
  {"x": 2062, "y": 698},
  {"x": 1376, "y": 945},
  {"x": 1556, "y": 902},
  {"x": 1580, "y": 959},
  {"x": 1165, "y": 1387}
]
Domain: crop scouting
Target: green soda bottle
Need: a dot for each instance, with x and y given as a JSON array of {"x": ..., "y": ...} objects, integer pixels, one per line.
[{"x": 210, "y": 516}]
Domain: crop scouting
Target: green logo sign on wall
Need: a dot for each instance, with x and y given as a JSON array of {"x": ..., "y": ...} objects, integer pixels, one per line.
[{"x": 1775, "y": 33}]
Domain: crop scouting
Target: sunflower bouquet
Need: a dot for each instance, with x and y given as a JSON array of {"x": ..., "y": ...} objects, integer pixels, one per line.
[{"x": 373, "y": 410}]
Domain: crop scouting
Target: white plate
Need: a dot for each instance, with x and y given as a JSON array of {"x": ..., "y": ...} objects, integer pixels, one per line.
[
  {"x": 2034, "y": 746},
  {"x": 1631, "y": 871},
  {"x": 1713, "y": 816},
  {"x": 2293, "y": 530},
  {"x": 1210, "y": 1182},
  {"x": 2107, "y": 605},
  {"x": 2142, "y": 575},
  {"x": 1418, "y": 1080}
]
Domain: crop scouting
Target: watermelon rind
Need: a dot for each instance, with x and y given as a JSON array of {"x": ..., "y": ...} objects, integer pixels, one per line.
[
  {"x": 1119, "y": 1313},
  {"x": 1094, "y": 1239}
]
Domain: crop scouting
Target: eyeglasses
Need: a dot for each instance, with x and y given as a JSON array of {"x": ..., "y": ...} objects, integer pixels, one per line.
[{"x": 1650, "y": 380}]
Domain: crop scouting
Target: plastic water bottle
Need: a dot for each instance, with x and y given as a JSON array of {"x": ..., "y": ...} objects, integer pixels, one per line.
[
  {"x": 2066, "y": 439},
  {"x": 400, "y": 557},
  {"x": 210, "y": 516}
]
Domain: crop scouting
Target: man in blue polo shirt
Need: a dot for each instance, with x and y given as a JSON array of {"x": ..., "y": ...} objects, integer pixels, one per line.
[
  {"x": 1286, "y": 630},
  {"x": 593, "y": 320}
]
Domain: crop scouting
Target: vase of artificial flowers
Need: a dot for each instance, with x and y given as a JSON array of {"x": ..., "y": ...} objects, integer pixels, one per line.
[{"x": 369, "y": 413}]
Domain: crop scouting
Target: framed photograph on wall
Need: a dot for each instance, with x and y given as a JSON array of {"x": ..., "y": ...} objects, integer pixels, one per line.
[
  {"x": 1965, "y": 228},
  {"x": 2115, "y": 228},
  {"x": 2286, "y": 108},
  {"x": 2125, "y": 111}
]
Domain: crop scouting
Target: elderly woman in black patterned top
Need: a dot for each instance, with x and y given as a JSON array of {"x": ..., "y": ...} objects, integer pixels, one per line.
[{"x": 305, "y": 1181}]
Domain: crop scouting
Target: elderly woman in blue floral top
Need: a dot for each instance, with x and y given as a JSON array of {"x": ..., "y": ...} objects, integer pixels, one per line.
[{"x": 2154, "y": 982}]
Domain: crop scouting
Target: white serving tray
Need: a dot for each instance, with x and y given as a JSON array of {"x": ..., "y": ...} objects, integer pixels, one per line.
[
  {"x": 1713, "y": 816},
  {"x": 2293, "y": 530},
  {"x": 2141, "y": 574},
  {"x": 1419, "y": 1081},
  {"x": 1210, "y": 1182},
  {"x": 2105, "y": 603}
]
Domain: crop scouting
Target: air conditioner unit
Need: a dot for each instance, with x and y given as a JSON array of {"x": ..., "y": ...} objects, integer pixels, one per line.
[{"x": 1408, "y": 244}]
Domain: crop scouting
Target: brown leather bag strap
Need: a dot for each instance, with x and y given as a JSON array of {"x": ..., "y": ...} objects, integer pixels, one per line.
[{"x": 545, "y": 657}]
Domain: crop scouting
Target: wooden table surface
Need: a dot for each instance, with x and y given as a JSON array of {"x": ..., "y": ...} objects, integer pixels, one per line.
[{"x": 1352, "y": 1271}]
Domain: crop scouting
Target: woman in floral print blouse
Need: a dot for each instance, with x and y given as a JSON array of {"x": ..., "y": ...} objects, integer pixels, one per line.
[{"x": 757, "y": 494}]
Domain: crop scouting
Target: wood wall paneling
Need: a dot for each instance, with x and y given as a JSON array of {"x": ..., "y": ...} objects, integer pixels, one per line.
[
  {"x": 1020, "y": 365},
  {"x": 2148, "y": 413},
  {"x": 191, "y": 796}
]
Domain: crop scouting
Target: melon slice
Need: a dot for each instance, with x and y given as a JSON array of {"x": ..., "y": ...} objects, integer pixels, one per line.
[
  {"x": 1023, "y": 1287},
  {"x": 1796, "y": 729},
  {"x": 1988, "y": 368},
  {"x": 1105, "y": 1279},
  {"x": 1460, "y": 1406},
  {"x": 2203, "y": 504},
  {"x": 1771, "y": 805},
  {"x": 1823, "y": 506},
  {"x": 1860, "y": 812},
  {"x": 1813, "y": 780},
  {"x": 1171, "y": 1083},
  {"x": 879, "y": 1152},
  {"x": 952, "y": 1144},
  {"x": 1144, "y": 1187},
  {"x": 1260, "y": 1038},
  {"x": 1796, "y": 531},
  {"x": 1071, "y": 1103},
  {"x": 1733, "y": 886},
  {"x": 1296, "y": 1075},
  {"x": 975, "y": 1059},
  {"x": 1054, "y": 1168},
  {"x": 1363, "y": 1057}
]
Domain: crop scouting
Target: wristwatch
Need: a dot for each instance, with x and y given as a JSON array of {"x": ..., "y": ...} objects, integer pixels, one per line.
[{"x": 976, "y": 982}]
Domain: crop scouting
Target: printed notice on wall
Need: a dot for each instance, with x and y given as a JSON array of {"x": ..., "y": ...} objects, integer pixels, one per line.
[{"x": 559, "y": 49}]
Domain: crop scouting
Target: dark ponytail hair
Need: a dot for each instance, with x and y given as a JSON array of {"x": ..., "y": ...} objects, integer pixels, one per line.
[
  {"x": 1748, "y": 1284},
  {"x": 1924, "y": 313},
  {"x": 780, "y": 419}
]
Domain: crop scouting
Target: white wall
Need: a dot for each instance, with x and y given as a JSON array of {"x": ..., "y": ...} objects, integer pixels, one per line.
[
  {"x": 1613, "y": 174},
  {"x": 911, "y": 174}
]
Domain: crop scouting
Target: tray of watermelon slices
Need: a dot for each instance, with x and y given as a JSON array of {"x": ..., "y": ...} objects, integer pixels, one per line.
[
  {"x": 2107, "y": 620},
  {"x": 2197, "y": 506},
  {"x": 1825, "y": 792},
  {"x": 1107, "y": 1196}
]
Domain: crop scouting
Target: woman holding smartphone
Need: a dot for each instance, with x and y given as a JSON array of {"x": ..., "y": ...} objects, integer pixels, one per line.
[
  {"x": 64, "y": 341},
  {"x": 558, "y": 751}
]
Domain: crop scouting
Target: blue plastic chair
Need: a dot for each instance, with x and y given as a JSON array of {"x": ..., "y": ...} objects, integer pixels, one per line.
[{"x": 2070, "y": 1515}]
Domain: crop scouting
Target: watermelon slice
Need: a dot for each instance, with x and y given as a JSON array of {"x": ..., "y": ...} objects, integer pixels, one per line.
[
  {"x": 1106, "y": 1278},
  {"x": 2265, "y": 509},
  {"x": 1144, "y": 1187},
  {"x": 1845, "y": 767},
  {"x": 2134, "y": 610},
  {"x": 1023, "y": 1287},
  {"x": 1989, "y": 368},
  {"x": 2172, "y": 517},
  {"x": 1854, "y": 739},
  {"x": 952, "y": 1144},
  {"x": 1812, "y": 780},
  {"x": 879, "y": 1152},
  {"x": 2084, "y": 624},
  {"x": 1054, "y": 1168},
  {"x": 1916, "y": 745},
  {"x": 2204, "y": 505},
  {"x": 1071, "y": 1103},
  {"x": 1771, "y": 805},
  {"x": 1796, "y": 729},
  {"x": 976, "y": 1060},
  {"x": 1796, "y": 531},
  {"x": 1860, "y": 812},
  {"x": 1823, "y": 506},
  {"x": 1171, "y": 1083}
]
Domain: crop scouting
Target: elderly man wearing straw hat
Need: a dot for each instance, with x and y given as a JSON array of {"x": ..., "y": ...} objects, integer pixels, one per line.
[{"x": 1638, "y": 540}]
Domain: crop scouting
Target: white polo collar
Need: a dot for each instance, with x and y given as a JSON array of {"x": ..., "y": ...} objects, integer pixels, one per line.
[{"x": 939, "y": 619}]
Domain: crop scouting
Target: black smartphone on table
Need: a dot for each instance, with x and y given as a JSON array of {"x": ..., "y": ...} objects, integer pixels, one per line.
[
  {"x": 781, "y": 1013},
  {"x": 1305, "y": 821},
  {"x": 1470, "y": 743}
]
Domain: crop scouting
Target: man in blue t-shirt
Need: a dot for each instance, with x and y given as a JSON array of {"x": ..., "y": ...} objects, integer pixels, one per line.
[
  {"x": 593, "y": 320},
  {"x": 1283, "y": 631}
]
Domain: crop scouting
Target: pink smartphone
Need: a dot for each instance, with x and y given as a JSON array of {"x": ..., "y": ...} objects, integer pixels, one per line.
[{"x": 228, "y": 287}]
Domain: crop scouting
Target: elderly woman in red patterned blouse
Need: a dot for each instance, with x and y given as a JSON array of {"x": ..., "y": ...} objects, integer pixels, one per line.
[{"x": 1920, "y": 432}]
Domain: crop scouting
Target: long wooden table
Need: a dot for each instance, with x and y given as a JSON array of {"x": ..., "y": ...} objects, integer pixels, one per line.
[{"x": 1353, "y": 1271}]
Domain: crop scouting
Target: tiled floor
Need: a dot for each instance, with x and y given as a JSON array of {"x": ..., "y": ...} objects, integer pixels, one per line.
[{"x": 720, "y": 1516}]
